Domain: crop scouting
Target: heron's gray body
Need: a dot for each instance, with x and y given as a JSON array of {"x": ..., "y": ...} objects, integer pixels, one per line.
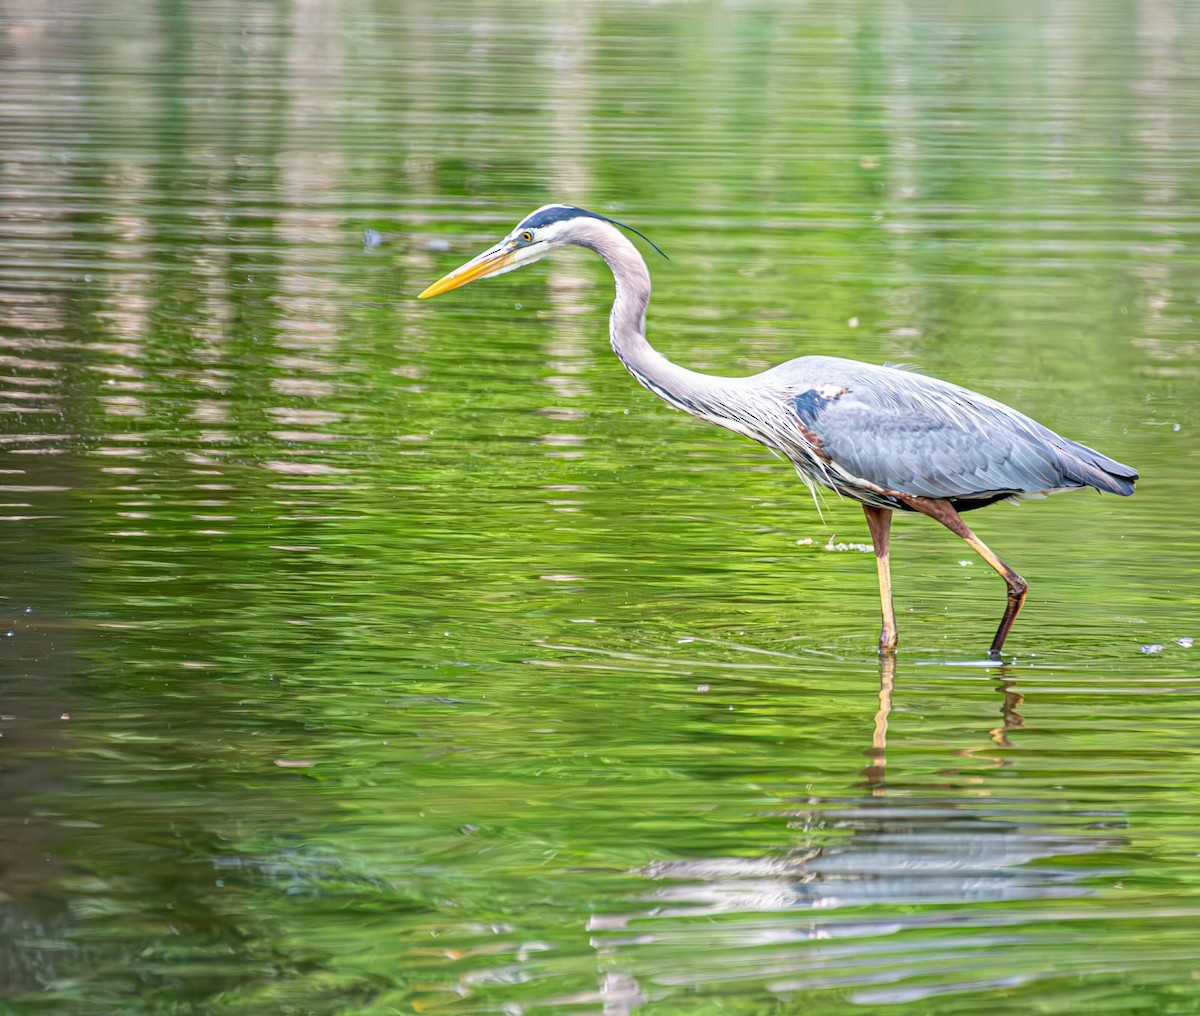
[
  {"x": 889, "y": 438},
  {"x": 873, "y": 433}
]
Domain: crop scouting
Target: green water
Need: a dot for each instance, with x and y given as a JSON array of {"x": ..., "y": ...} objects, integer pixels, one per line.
[{"x": 362, "y": 655}]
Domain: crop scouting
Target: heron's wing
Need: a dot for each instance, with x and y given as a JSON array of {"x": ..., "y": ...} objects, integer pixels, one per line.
[{"x": 909, "y": 434}]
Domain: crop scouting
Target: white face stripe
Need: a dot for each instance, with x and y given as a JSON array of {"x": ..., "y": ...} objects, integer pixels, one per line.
[
  {"x": 524, "y": 255},
  {"x": 545, "y": 239},
  {"x": 549, "y": 233}
]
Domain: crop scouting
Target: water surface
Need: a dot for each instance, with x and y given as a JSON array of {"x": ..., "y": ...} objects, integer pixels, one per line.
[{"x": 363, "y": 655}]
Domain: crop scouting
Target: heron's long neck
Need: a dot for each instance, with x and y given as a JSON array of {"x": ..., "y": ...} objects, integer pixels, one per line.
[{"x": 701, "y": 394}]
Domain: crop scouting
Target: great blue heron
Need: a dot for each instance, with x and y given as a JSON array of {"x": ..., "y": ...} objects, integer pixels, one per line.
[{"x": 888, "y": 438}]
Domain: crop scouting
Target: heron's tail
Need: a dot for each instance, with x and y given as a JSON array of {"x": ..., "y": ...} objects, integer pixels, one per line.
[{"x": 1087, "y": 466}]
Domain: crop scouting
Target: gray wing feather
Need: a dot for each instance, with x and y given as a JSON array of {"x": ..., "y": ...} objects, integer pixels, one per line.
[{"x": 915, "y": 435}]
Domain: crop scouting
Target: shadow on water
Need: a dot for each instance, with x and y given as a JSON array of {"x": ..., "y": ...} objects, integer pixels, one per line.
[{"x": 894, "y": 861}]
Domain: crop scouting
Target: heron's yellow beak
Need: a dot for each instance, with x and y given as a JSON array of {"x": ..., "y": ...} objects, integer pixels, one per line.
[{"x": 498, "y": 259}]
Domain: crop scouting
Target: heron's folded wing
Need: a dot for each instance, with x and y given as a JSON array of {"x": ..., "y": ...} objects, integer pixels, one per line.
[{"x": 941, "y": 442}]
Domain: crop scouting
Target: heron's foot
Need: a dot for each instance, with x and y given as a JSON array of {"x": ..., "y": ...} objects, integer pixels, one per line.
[{"x": 888, "y": 640}]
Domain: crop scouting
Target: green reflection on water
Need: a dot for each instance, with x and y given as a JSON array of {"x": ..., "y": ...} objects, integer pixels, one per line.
[{"x": 369, "y": 656}]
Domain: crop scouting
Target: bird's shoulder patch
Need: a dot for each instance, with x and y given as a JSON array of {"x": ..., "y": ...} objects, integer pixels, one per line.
[{"x": 809, "y": 405}]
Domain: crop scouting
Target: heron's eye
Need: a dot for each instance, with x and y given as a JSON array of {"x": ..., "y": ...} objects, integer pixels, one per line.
[{"x": 527, "y": 236}]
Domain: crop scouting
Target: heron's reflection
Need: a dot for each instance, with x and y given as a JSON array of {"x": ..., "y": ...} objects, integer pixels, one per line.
[
  {"x": 1011, "y": 719},
  {"x": 894, "y": 858}
]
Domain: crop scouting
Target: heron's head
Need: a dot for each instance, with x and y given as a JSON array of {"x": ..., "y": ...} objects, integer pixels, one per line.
[{"x": 535, "y": 236}]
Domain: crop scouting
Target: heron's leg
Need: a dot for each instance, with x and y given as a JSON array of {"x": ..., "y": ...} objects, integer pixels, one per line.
[
  {"x": 944, "y": 512},
  {"x": 879, "y": 521}
]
